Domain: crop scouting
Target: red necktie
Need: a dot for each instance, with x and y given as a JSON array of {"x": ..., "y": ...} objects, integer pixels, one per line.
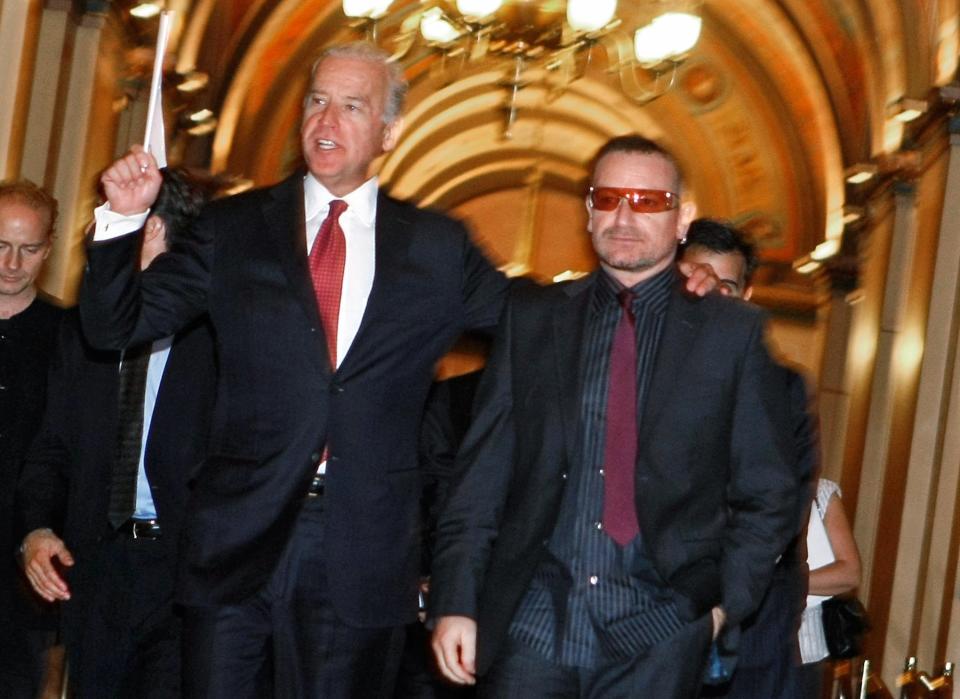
[
  {"x": 620, "y": 446},
  {"x": 328, "y": 256}
]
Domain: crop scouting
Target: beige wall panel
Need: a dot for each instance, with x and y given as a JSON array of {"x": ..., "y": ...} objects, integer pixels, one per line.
[
  {"x": 63, "y": 265},
  {"x": 18, "y": 22},
  {"x": 52, "y": 58}
]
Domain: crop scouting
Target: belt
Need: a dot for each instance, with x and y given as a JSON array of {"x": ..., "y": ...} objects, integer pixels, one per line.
[
  {"x": 317, "y": 486},
  {"x": 140, "y": 529}
]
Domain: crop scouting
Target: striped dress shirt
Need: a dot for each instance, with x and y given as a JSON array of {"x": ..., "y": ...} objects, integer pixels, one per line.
[{"x": 592, "y": 601}]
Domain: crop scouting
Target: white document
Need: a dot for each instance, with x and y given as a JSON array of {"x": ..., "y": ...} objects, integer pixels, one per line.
[{"x": 154, "y": 139}]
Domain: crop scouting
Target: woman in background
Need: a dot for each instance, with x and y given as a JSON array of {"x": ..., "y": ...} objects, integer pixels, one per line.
[{"x": 834, "y": 569}]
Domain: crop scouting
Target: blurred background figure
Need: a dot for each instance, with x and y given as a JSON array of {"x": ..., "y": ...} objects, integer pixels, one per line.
[
  {"x": 28, "y": 328},
  {"x": 834, "y": 570},
  {"x": 768, "y": 646},
  {"x": 104, "y": 485}
]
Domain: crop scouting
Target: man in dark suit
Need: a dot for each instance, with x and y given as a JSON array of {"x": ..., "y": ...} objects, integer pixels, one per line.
[
  {"x": 112, "y": 558},
  {"x": 768, "y": 645},
  {"x": 626, "y": 486},
  {"x": 300, "y": 553}
]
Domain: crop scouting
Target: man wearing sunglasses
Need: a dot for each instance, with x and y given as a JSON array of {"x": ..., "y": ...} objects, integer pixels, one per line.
[{"x": 627, "y": 483}]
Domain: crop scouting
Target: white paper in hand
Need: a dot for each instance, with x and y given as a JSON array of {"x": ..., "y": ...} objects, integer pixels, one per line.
[{"x": 154, "y": 140}]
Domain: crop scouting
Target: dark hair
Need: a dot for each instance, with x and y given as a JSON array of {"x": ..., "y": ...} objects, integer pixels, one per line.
[
  {"x": 33, "y": 196},
  {"x": 722, "y": 237},
  {"x": 635, "y": 143},
  {"x": 182, "y": 195}
]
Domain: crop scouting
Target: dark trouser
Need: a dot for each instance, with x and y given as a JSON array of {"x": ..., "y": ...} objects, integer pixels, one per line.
[
  {"x": 287, "y": 640},
  {"x": 26, "y": 633},
  {"x": 22, "y": 654},
  {"x": 768, "y": 650},
  {"x": 672, "y": 669},
  {"x": 126, "y": 641},
  {"x": 805, "y": 681}
]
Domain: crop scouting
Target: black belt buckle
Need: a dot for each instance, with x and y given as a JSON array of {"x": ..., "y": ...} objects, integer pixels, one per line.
[
  {"x": 142, "y": 528},
  {"x": 317, "y": 486}
]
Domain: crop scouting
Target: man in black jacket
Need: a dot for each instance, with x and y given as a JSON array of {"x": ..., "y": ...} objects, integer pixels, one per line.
[
  {"x": 117, "y": 461},
  {"x": 623, "y": 492},
  {"x": 28, "y": 332},
  {"x": 768, "y": 646}
]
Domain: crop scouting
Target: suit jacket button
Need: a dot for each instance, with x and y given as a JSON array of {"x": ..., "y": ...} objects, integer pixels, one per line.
[
  {"x": 336, "y": 388},
  {"x": 564, "y": 475},
  {"x": 315, "y": 457}
]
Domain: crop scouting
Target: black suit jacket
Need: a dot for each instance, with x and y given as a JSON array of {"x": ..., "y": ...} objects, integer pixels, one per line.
[
  {"x": 66, "y": 478},
  {"x": 715, "y": 470},
  {"x": 278, "y": 403}
]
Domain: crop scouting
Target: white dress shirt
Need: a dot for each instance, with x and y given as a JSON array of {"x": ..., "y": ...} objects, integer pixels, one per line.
[
  {"x": 159, "y": 352},
  {"x": 359, "y": 226}
]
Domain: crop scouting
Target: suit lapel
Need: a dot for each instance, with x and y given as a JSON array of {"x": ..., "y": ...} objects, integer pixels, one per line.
[
  {"x": 569, "y": 324},
  {"x": 682, "y": 323},
  {"x": 391, "y": 243},
  {"x": 285, "y": 221}
]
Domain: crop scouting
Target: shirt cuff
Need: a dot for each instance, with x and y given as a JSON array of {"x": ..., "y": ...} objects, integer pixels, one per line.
[{"x": 112, "y": 225}]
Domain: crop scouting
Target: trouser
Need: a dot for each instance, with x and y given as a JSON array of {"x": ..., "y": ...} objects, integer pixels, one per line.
[
  {"x": 671, "y": 669},
  {"x": 287, "y": 640}
]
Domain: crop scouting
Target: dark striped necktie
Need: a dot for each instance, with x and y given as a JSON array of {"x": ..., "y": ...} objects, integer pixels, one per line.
[{"x": 126, "y": 462}]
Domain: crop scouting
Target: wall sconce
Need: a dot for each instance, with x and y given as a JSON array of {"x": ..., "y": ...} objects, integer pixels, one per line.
[
  {"x": 193, "y": 81},
  {"x": 236, "y": 186},
  {"x": 906, "y": 109},
  {"x": 146, "y": 10},
  {"x": 807, "y": 266},
  {"x": 201, "y": 122},
  {"x": 860, "y": 173},
  {"x": 826, "y": 249},
  {"x": 852, "y": 214}
]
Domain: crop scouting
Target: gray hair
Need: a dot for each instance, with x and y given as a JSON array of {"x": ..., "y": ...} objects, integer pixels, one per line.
[{"x": 366, "y": 51}]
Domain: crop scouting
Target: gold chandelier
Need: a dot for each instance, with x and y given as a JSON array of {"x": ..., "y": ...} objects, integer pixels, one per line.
[{"x": 644, "y": 41}]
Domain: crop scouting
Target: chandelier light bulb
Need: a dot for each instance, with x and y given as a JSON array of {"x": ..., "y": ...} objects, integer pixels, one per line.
[
  {"x": 667, "y": 36},
  {"x": 436, "y": 28},
  {"x": 366, "y": 8},
  {"x": 146, "y": 10},
  {"x": 478, "y": 8},
  {"x": 590, "y": 15}
]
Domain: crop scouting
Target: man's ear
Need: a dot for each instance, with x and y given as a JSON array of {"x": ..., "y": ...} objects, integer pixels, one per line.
[
  {"x": 391, "y": 134},
  {"x": 152, "y": 228},
  {"x": 747, "y": 293},
  {"x": 586, "y": 203},
  {"x": 688, "y": 212}
]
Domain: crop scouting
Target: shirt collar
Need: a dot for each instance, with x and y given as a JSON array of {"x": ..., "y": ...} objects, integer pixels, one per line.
[
  {"x": 361, "y": 202},
  {"x": 653, "y": 292}
]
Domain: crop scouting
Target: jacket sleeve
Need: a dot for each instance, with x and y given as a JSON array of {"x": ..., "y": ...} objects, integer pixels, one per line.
[
  {"x": 121, "y": 306},
  {"x": 470, "y": 519},
  {"x": 762, "y": 487},
  {"x": 41, "y": 496}
]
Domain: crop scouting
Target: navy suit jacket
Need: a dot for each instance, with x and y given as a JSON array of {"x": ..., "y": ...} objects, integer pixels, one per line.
[
  {"x": 715, "y": 479},
  {"x": 278, "y": 402},
  {"x": 66, "y": 479}
]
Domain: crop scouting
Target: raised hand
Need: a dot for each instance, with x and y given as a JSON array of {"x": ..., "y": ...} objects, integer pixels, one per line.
[
  {"x": 701, "y": 278},
  {"x": 132, "y": 182}
]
